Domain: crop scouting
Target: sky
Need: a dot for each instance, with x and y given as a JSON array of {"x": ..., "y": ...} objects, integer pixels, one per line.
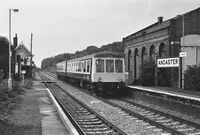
[{"x": 67, "y": 26}]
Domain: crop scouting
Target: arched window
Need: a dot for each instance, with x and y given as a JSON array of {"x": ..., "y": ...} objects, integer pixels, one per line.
[
  {"x": 161, "y": 49},
  {"x": 143, "y": 53},
  {"x": 129, "y": 60},
  {"x": 135, "y": 62},
  {"x": 152, "y": 53}
]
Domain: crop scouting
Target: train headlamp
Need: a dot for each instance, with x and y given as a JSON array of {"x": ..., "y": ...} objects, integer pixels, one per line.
[
  {"x": 99, "y": 79},
  {"x": 120, "y": 79}
]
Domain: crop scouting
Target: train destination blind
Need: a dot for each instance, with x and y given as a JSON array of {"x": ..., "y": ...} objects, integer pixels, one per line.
[{"x": 168, "y": 62}]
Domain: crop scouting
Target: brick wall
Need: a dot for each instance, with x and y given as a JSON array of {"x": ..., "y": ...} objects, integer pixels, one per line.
[{"x": 191, "y": 24}]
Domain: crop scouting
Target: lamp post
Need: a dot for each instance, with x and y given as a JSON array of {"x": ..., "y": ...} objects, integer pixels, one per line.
[{"x": 10, "y": 53}]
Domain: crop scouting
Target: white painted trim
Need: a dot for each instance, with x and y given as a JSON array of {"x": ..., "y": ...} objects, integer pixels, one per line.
[
  {"x": 70, "y": 128},
  {"x": 164, "y": 92}
]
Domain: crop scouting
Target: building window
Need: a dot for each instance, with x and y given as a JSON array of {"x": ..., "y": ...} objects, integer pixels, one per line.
[
  {"x": 135, "y": 62},
  {"x": 129, "y": 60}
]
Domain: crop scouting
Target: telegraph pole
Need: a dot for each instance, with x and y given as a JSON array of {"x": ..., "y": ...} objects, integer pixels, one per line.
[{"x": 31, "y": 56}]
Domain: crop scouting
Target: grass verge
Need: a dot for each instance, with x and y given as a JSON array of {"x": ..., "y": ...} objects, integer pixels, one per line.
[{"x": 10, "y": 101}]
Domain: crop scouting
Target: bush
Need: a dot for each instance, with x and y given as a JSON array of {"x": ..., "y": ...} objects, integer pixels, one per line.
[
  {"x": 1, "y": 75},
  {"x": 9, "y": 99},
  {"x": 16, "y": 77},
  {"x": 163, "y": 76},
  {"x": 147, "y": 77},
  {"x": 192, "y": 78}
]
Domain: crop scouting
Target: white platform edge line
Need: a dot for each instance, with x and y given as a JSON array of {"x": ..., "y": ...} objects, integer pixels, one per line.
[
  {"x": 62, "y": 115},
  {"x": 162, "y": 92}
]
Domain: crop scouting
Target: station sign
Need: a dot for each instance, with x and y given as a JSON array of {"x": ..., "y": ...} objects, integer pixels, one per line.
[
  {"x": 168, "y": 62},
  {"x": 182, "y": 54}
]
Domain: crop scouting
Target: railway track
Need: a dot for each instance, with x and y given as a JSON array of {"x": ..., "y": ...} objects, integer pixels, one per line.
[
  {"x": 169, "y": 123},
  {"x": 154, "y": 119},
  {"x": 83, "y": 118}
]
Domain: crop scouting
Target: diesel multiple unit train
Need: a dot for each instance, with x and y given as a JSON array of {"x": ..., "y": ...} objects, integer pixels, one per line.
[{"x": 103, "y": 71}]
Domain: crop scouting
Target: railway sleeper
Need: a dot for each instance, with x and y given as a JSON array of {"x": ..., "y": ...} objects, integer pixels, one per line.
[
  {"x": 96, "y": 129},
  {"x": 162, "y": 121},
  {"x": 94, "y": 126},
  {"x": 110, "y": 132},
  {"x": 171, "y": 123},
  {"x": 90, "y": 123},
  {"x": 186, "y": 129},
  {"x": 87, "y": 116},
  {"x": 87, "y": 120}
]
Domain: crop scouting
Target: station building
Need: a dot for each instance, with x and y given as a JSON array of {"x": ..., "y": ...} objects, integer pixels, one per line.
[
  {"x": 21, "y": 59},
  {"x": 164, "y": 39}
]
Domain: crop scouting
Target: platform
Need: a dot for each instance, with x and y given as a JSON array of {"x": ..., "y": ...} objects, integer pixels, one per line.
[
  {"x": 190, "y": 95},
  {"x": 54, "y": 121}
]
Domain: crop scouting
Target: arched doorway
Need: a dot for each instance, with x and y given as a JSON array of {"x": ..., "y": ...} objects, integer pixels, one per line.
[{"x": 135, "y": 62}]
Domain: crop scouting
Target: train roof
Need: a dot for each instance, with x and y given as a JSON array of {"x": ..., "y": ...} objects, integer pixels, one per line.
[
  {"x": 99, "y": 54},
  {"x": 62, "y": 62}
]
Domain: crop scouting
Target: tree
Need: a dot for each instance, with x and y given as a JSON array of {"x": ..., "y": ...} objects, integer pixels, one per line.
[
  {"x": 51, "y": 62},
  {"x": 4, "y": 54},
  {"x": 192, "y": 78}
]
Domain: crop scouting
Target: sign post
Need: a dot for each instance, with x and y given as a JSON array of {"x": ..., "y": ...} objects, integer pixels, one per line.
[
  {"x": 23, "y": 72},
  {"x": 168, "y": 62}
]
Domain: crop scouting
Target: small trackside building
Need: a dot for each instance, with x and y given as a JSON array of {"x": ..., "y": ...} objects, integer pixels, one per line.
[
  {"x": 164, "y": 39},
  {"x": 22, "y": 61}
]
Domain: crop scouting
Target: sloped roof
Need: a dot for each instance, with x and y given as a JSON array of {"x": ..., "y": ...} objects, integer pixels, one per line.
[
  {"x": 24, "y": 47},
  {"x": 156, "y": 26}
]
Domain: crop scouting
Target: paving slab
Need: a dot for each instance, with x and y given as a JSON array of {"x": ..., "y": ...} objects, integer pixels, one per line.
[{"x": 51, "y": 123}]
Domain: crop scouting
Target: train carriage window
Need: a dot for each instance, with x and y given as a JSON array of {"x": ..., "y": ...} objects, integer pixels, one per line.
[
  {"x": 88, "y": 66},
  {"x": 109, "y": 66},
  {"x": 118, "y": 66},
  {"x": 79, "y": 67},
  {"x": 99, "y": 65},
  {"x": 84, "y": 66},
  {"x": 76, "y": 67}
]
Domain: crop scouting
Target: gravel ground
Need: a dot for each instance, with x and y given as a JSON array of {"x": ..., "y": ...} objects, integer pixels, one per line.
[
  {"x": 26, "y": 118},
  {"x": 190, "y": 118},
  {"x": 115, "y": 115}
]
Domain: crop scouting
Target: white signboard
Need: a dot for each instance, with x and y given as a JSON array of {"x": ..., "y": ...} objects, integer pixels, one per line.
[
  {"x": 168, "y": 62},
  {"x": 182, "y": 54}
]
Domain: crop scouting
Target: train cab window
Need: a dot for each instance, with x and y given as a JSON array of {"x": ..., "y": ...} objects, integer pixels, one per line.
[
  {"x": 88, "y": 66},
  {"x": 109, "y": 66},
  {"x": 118, "y": 66},
  {"x": 99, "y": 65}
]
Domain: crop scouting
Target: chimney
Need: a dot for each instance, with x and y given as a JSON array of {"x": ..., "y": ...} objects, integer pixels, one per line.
[
  {"x": 15, "y": 41},
  {"x": 160, "y": 19}
]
